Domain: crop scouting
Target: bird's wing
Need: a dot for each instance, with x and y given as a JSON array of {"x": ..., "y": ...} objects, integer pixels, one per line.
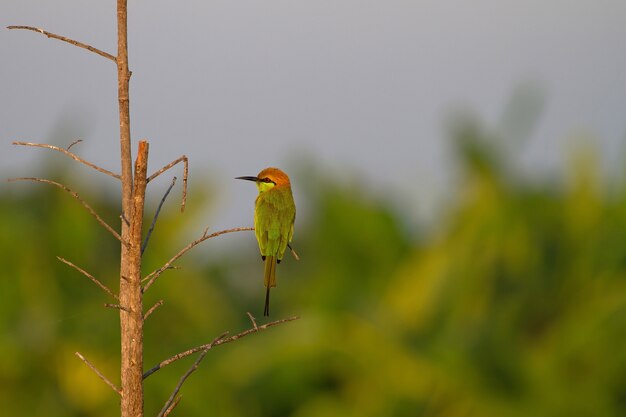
[{"x": 267, "y": 228}]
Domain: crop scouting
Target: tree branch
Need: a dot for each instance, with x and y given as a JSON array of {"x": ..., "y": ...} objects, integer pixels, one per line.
[
  {"x": 218, "y": 341},
  {"x": 76, "y": 196},
  {"x": 156, "y": 273},
  {"x": 185, "y": 176},
  {"x": 156, "y": 215},
  {"x": 191, "y": 370},
  {"x": 151, "y": 309},
  {"x": 77, "y": 141},
  {"x": 173, "y": 406},
  {"x": 253, "y": 320},
  {"x": 293, "y": 252},
  {"x": 70, "y": 154},
  {"x": 91, "y": 277},
  {"x": 102, "y": 377},
  {"x": 118, "y": 307},
  {"x": 68, "y": 40}
]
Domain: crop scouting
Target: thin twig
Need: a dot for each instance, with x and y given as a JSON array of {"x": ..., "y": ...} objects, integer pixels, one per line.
[
  {"x": 68, "y": 40},
  {"x": 104, "y": 378},
  {"x": 70, "y": 154},
  {"x": 156, "y": 215},
  {"x": 191, "y": 370},
  {"x": 91, "y": 277},
  {"x": 151, "y": 309},
  {"x": 220, "y": 341},
  {"x": 173, "y": 406},
  {"x": 73, "y": 143},
  {"x": 76, "y": 196},
  {"x": 293, "y": 252},
  {"x": 156, "y": 273},
  {"x": 117, "y": 306},
  {"x": 185, "y": 176},
  {"x": 253, "y": 320}
]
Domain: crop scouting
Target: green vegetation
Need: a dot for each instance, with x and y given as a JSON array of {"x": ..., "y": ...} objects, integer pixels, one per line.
[{"x": 513, "y": 304}]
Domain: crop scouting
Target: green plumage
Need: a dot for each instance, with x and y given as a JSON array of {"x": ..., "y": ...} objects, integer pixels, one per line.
[{"x": 274, "y": 215}]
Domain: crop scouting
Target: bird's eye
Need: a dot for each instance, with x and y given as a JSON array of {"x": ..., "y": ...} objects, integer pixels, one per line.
[{"x": 266, "y": 179}]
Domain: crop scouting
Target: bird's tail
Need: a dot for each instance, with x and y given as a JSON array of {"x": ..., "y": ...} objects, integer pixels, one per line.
[{"x": 269, "y": 281}]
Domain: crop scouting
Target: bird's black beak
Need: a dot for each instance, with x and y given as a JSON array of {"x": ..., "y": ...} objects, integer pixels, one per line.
[{"x": 248, "y": 178}]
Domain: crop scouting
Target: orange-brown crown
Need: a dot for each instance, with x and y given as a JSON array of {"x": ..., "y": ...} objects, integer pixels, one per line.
[{"x": 275, "y": 175}]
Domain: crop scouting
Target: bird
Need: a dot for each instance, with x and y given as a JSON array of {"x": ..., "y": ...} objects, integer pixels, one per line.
[{"x": 274, "y": 217}]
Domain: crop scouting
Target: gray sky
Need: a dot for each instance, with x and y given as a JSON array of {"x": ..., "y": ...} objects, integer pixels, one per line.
[{"x": 363, "y": 85}]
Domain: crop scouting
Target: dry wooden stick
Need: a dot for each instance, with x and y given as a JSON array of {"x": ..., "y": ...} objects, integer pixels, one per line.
[
  {"x": 156, "y": 215},
  {"x": 156, "y": 273},
  {"x": 77, "y": 141},
  {"x": 293, "y": 252},
  {"x": 253, "y": 320},
  {"x": 76, "y": 196},
  {"x": 151, "y": 309},
  {"x": 131, "y": 322},
  {"x": 91, "y": 277},
  {"x": 68, "y": 40},
  {"x": 191, "y": 370},
  {"x": 102, "y": 377},
  {"x": 173, "y": 406},
  {"x": 218, "y": 341},
  {"x": 185, "y": 176},
  {"x": 117, "y": 306},
  {"x": 70, "y": 154}
]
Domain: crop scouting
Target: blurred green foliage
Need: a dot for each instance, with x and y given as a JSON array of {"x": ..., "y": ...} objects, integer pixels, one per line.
[{"x": 513, "y": 304}]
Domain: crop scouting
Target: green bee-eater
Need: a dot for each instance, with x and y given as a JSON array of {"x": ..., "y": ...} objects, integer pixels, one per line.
[{"x": 274, "y": 214}]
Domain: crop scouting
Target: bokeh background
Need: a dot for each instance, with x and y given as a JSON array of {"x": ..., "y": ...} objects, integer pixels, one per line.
[{"x": 458, "y": 172}]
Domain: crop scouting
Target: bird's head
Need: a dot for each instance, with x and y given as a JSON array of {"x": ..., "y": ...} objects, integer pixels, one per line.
[{"x": 268, "y": 179}]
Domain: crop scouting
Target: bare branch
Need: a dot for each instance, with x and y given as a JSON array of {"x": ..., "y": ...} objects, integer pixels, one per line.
[
  {"x": 185, "y": 176},
  {"x": 70, "y": 154},
  {"x": 156, "y": 215},
  {"x": 73, "y": 143},
  {"x": 218, "y": 341},
  {"x": 155, "y": 274},
  {"x": 117, "y": 306},
  {"x": 68, "y": 40},
  {"x": 151, "y": 309},
  {"x": 173, "y": 406},
  {"x": 293, "y": 252},
  {"x": 76, "y": 196},
  {"x": 91, "y": 277},
  {"x": 182, "y": 380},
  {"x": 102, "y": 377},
  {"x": 253, "y": 320}
]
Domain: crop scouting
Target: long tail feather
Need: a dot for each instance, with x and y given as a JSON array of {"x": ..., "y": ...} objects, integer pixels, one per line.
[
  {"x": 266, "y": 311},
  {"x": 269, "y": 281}
]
